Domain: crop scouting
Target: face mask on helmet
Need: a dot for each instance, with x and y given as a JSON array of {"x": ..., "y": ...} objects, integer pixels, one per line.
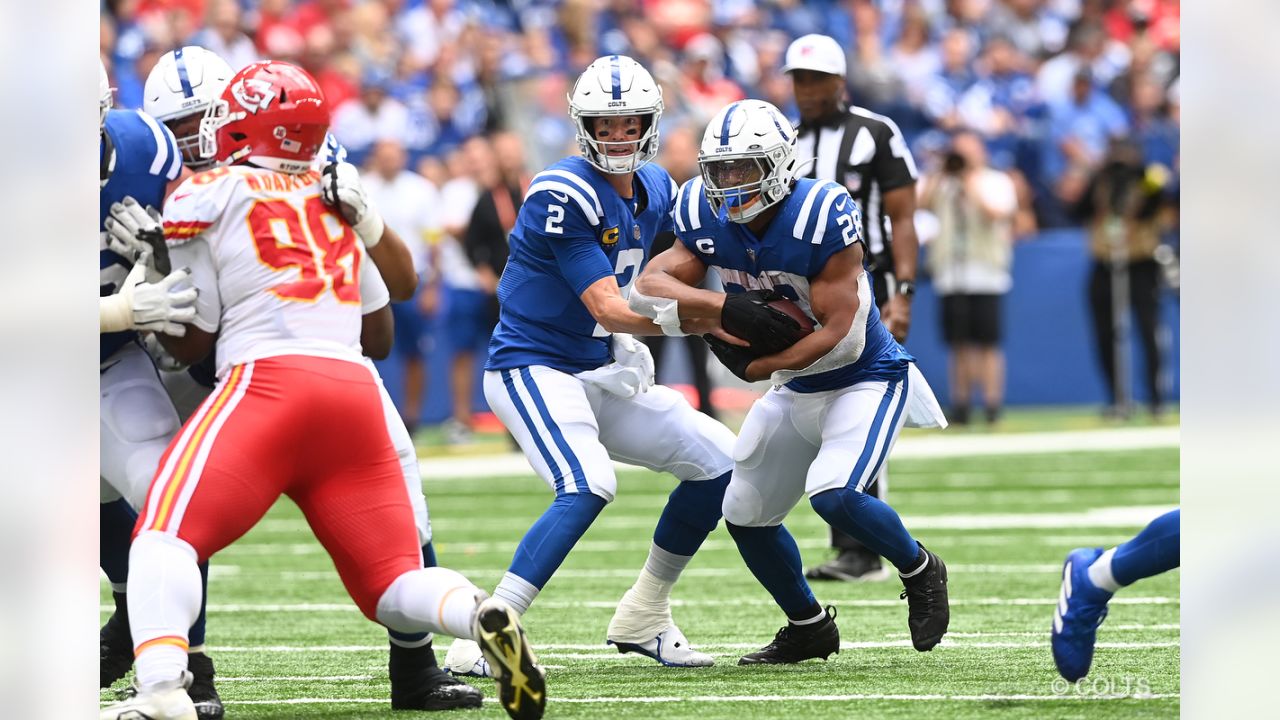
[
  {"x": 747, "y": 160},
  {"x": 733, "y": 186},
  {"x": 179, "y": 91},
  {"x": 614, "y": 89}
]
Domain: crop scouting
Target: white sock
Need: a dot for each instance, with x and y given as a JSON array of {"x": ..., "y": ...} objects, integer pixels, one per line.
[
  {"x": 164, "y": 604},
  {"x": 918, "y": 570},
  {"x": 822, "y": 615},
  {"x": 1100, "y": 572},
  {"x": 429, "y": 600},
  {"x": 516, "y": 592}
]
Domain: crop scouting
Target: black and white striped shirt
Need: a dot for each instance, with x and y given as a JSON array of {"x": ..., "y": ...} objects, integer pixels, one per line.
[{"x": 866, "y": 153}]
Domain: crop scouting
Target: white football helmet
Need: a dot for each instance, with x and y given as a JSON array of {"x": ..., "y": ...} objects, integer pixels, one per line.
[
  {"x": 615, "y": 86},
  {"x": 181, "y": 86},
  {"x": 104, "y": 95},
  {"x": 748, "y": 159}
]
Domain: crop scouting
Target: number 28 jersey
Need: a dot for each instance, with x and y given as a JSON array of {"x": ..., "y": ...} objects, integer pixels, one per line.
[
  {"x": 573, "y": 229},
  {"x": 278, "y": 271}
]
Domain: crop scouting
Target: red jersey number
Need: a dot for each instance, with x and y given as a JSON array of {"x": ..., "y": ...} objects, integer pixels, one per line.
[{"x": 320, "y": 246}]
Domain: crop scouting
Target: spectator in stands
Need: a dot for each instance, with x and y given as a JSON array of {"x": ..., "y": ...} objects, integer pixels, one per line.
[
  {"x": 411, "y": 206},
  {"x": 999, "y": 104},
  {"x": 970, "y": 260},
  {"x": 494, "y": 217},
  {"x": 1079, "y": 132},
  {"x": 467, "y": 321},
  {"x": 224, "y": 37},
  {"x": 1035, "y": 31},
  {"x": 360, "y": 122},
  {"x": 1121, "y": 208},
  {"x": 952, "y": 80},
  {"x": 705, "y": 88},
  {"x": 913, "y": 57},
  {"x": 1088, "y": 49}
]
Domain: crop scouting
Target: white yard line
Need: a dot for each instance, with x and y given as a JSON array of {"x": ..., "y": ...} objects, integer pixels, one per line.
[{"x": 908, "y": 446}]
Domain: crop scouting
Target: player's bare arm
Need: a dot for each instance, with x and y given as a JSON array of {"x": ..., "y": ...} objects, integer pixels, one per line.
[
  {"x": 834, "y": 300},
  {"x": 604, "y": 301},
  {"x": 395, "y": 264},
  {"x": 674, "y": 274},
  {"x": 900, "y": 205},
  {"x": 377, "y": 332}
]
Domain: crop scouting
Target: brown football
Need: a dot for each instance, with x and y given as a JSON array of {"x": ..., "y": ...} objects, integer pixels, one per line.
[{"x": 790, "y": 308}]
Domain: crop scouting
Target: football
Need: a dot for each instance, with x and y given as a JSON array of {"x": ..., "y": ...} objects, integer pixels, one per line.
[{"x": 793, "y": 310}]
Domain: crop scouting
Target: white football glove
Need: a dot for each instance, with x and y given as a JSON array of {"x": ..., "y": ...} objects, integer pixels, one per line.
[
  {"x": 134, "y": 232},
  {"x": 343, "y": 190},
  {"x": 140, "y": 305},
  {"x": 629, "y": 352}
]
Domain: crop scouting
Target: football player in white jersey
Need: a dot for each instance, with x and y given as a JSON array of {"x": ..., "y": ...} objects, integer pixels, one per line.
[
  {"x": 181, "y": 88},
  {"x": 841, "y": 394},
  {"x": 279, "y": 278},
  {"x": 574, "y": 387}
]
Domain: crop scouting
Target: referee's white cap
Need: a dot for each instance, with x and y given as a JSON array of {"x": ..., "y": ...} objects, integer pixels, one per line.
[{"x": 816, "y": 52}]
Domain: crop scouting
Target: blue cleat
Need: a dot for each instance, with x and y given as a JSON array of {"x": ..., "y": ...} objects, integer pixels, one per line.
[{"x": 1082, "y": 607}]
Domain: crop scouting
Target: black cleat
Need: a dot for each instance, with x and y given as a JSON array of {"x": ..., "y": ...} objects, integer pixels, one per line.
[
  {"x": 928, "y": 611},
  {"x": 522, "y": 685},
  {"x": 850, "y": 566},
  {"x": 796, "y": 643},
  {"x": 433, "y": 689},
  {"x": 115, "y": 650},
  {"x": 203, "y": 694},
  {"x": 418, "y": 683}
]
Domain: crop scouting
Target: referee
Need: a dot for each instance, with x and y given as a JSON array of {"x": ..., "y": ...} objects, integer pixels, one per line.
[{"x": 864, "y": 152}]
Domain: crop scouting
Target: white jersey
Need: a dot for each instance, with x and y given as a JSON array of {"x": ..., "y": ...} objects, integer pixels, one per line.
[{"x": 278, "y": 271}]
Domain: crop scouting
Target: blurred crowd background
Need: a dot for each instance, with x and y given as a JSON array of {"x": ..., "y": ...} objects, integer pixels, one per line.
[{"x": 470, "y": 95}]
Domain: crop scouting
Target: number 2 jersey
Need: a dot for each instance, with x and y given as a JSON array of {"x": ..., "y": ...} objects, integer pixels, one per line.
[
  {"x": 572, "y": 230},
  {"x": 278, "y": 271},
  {"x": 813, "y": 223},
  {"x": 140, "y": 158}
]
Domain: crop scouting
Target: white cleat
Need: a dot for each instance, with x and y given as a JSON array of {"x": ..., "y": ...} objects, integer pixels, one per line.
[
  {"x": 163, "y": 701},
  {"x": 522, "y": 685},
  {"x": 465, "y": 659},
  {"x": 669, "y": 647}
]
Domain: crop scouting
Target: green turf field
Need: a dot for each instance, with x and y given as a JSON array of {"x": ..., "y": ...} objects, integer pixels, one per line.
[{"x": 289, "y": 644}]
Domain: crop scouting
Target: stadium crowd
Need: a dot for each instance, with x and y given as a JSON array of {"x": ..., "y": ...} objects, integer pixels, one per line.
[{"x": 461, "y": 87}]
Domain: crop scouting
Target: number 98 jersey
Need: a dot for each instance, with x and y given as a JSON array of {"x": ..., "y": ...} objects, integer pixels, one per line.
[
  {"x": 278, "y": 271},
  {"x": 572, "y": 230}
]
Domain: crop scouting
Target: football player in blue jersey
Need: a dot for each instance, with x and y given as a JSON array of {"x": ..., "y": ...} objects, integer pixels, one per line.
[
  {"x": 179, "y": 91},
  {"x": 1090, "y": 576},
  {"x": 139, "y": 160},
  {"x": 840, "y": 395},
  {"x": 569, "y": 381}
]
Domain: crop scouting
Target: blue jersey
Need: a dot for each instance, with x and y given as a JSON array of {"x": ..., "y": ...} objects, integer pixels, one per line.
[
  {"x": 572, "y": 230},
  {"x": 144, "y": 158},
  {"x": 816, "y": 221}
]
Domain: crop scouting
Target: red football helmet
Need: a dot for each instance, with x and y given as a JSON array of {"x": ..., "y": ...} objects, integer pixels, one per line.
[{"x": 272, "y": 114}]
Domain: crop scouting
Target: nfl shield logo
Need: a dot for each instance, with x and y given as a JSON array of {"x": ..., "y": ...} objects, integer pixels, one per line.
[
  {"x": 635, "y": 231},
  {"x": 853, "y": 181}
]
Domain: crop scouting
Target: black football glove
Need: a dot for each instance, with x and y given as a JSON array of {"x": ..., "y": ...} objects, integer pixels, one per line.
[
  {"x": 732, "y": 356},
  {"x": 747, "y": 315}
]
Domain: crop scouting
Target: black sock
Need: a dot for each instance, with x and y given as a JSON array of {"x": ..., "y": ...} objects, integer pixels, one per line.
[
  {"x": 960, "y": 414},
  {"x": 405, "y": 660},
  {"x": 993, "y": 414}
]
